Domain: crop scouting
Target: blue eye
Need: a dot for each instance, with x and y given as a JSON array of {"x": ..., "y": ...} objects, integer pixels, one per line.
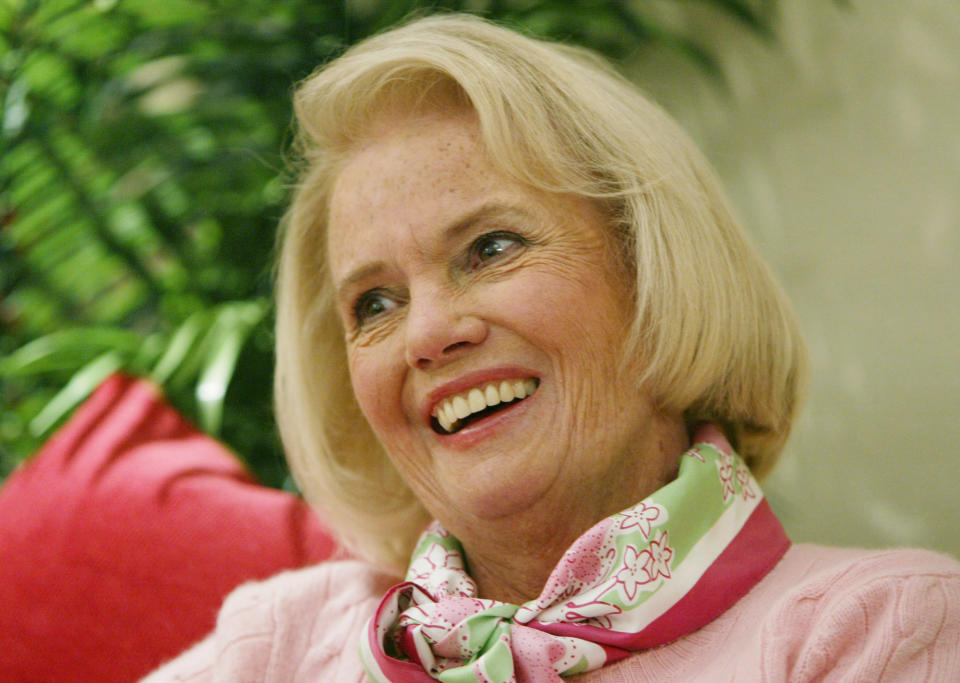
[
  {"x": 372, "y": 304},
  {"x": 492, "y": 246}
]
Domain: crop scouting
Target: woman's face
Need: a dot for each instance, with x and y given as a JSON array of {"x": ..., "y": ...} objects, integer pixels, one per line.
[{"x": 462, "y": 290}]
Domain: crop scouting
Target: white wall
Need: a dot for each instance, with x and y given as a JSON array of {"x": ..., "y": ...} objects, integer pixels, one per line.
[{"x": 840, "y": 146}]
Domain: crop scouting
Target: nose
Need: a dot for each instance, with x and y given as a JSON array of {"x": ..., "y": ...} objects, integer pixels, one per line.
[{"x": 439, "y": 329}]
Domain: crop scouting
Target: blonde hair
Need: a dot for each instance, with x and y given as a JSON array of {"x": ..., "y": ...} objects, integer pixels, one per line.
[{"x": 716, "y": 334}]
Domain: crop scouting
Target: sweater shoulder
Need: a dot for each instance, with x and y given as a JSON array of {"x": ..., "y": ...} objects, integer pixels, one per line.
[
  {"x": 331, "y": 585},
  {"x": 299, "y": 625},
  {"x": 871, "y": 614},
  {"x": 810, "y": 570},
  {"x": 822, "y": 614}
]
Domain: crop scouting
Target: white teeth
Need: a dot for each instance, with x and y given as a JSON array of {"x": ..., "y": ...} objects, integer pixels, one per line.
[
  {"x": 450, "y": 411},
  {"x": 444, "y": 422},
  {"x": 477, "y": 400},
  {"x": 461, "y": 407}
]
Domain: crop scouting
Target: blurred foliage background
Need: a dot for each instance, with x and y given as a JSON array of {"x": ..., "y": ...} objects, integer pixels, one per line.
[{"x": 142, "y": 178}]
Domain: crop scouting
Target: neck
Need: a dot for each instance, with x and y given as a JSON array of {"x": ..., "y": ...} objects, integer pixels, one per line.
[
  {"x": 511, "y": 559},
  {"x": 514, "y": 566}
]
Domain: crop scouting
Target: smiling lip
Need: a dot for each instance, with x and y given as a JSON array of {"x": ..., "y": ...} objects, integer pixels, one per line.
[
  {"x": 458, "y": 411},
  {"x": 473, "y": 380}
]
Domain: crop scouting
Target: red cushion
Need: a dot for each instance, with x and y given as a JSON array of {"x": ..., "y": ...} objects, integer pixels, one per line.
[{"x": 120, "y": 539}]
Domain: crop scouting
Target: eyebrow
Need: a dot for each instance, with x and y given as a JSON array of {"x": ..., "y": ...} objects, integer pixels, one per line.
[{"x": 455, "y": 228}]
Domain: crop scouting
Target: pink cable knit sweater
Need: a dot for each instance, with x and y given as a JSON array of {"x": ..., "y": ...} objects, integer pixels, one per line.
[{"x": 822, "y": 614}]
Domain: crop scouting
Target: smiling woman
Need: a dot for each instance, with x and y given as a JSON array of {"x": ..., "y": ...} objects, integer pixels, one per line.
[
  {"x": 490, "y": 281},
  {"x": 512, "y": 299},
  {"x": 558, "y": 129}
]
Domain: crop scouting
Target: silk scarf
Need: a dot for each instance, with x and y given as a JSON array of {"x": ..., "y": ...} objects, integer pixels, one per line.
[{"x": 641, "y": 578}]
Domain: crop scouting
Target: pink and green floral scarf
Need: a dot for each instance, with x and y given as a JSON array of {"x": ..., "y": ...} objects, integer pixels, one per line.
[{"x": 641, "y": 578}]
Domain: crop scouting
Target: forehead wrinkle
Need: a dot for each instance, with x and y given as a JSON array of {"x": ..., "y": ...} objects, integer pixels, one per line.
[
  {"x": 358, "y": 275},
  {"x": 429, "y": 243},
  {"x": 450, "y": 233},
  {"x": 489, "y": 210}
]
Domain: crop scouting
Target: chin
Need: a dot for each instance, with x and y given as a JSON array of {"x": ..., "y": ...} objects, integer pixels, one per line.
[{"x": 509, "y": 497}]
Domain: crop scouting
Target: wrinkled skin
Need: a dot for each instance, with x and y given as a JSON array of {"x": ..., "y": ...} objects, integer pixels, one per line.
[{"x": 450, "y": 272}]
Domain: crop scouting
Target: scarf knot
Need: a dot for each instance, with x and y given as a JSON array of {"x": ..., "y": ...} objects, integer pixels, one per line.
[{"x": 638, "y": 579}]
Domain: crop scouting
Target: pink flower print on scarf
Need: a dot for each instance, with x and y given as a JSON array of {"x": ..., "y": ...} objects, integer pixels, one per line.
[
  {"x": 744, "y": 478},
  {"x": 643, "y": 567},
  {"x": 638, "y": 579},
  {"x": 587, "y": 561},
  {"x": 725, "y": 470},
  {"x": 540, "y": 657},
  {"x": 444, "y": 625},
  {"x": 643, "y": 517},
  {"x": 441, "y": 571}
]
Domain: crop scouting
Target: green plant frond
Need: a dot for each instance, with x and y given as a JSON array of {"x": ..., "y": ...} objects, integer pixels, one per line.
[
  {"x": 137, "y": 219},
  {"x": 180, "y": 345},
  {"x": 232, "y": 327},
  {"x": 77, "y": 389},
  {"x": 67, "y": 349}
]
